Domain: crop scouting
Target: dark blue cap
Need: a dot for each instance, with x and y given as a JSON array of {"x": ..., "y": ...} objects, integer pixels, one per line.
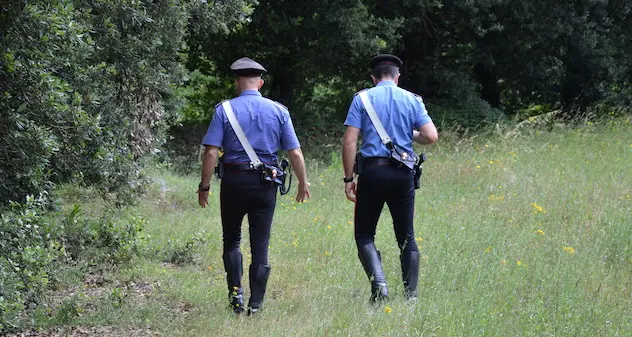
[{"x": 386, "y": 60}]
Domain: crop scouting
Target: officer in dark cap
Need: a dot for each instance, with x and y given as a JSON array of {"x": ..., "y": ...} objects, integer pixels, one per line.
[
  {"x": 384, "y": 175},
  {"x": 269, "y": 129}
]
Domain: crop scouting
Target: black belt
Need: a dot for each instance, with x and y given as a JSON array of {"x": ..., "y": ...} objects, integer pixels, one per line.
[
  {"x": 378, "y": 161},
  {"x": 241, "y": 167}
]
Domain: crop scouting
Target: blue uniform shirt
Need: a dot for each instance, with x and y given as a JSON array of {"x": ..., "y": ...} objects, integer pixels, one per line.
[
  {"x": 400, "y": 111},
  {"x": 266, "y": 123}
]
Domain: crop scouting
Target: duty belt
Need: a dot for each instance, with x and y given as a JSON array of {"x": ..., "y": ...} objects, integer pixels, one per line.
[
  {"x": 242, "y": 167},
  {"x": 383, "y": 161},
  {"x": 378, "y": 161}
]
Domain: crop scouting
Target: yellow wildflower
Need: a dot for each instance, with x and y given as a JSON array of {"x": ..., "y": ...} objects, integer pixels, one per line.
[
  {"x": 539, "y": 232},
  {"x": 327, "y": 253},
  {"x": 478, "y": 166},
  {"x": 491, "y": 162},
  {"x": 419, "y": 239},
  {"x": 388, "y": 310},
  {"x": 488, "y": 249},
  {"x": 569, "y": 250},
  {"x": 328, "y": 226},
  {"x": 518, "y": 263},
  {"x": 537, "y": 208},
  {"x": 503, "y": 262}
]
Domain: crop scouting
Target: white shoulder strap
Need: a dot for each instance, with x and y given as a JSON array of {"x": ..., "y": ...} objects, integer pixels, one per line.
[
  {"x": 386, "y": 140},
  {"x": 254, "y": 159}
]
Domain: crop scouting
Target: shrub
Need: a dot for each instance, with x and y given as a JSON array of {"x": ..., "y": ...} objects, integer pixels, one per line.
[
  {"x": 29, "y": 248},
  {"x": 34, "y": 243}
]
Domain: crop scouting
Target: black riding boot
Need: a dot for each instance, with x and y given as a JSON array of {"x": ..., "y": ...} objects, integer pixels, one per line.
[
  {"x": 372, "y": 263},
  {"x": 258, "y": 280},
  {"x": 234, "y": 270},
  {"x": 410, "y": 272}
]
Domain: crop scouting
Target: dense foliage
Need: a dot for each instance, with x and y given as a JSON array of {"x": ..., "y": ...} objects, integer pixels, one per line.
[
  {"x": 471, "y": 60},
  {"x": 35, "y": 245}
]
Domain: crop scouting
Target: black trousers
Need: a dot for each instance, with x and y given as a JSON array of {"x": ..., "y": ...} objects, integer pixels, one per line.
[
  {"x": 395, "y": 187},
  {"x": 242, "y": 193}
]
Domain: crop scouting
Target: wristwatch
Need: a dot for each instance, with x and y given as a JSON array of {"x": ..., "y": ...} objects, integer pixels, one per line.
[
  {"x": 348, "y": 180},
  {"x": 204, "y": 189}
]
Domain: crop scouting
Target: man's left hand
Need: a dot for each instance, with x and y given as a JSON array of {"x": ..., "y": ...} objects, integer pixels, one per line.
[{"x": 203, "y": 198}]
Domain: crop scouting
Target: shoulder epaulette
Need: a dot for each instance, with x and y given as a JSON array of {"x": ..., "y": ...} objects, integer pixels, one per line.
[
  {"x": 356, "y": 94},
  {"x": 283, "y": 106},
  {"x": 220, "y": 103},
  {"x": 412, "y": 93}
]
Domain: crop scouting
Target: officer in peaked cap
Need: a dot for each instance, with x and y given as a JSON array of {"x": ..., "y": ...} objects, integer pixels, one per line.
[
  {"x": 269, "y": 128},
  {"x": 382, "y": 179}
]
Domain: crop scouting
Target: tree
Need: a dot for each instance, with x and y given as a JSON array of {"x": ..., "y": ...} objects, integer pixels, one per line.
[{"x": 301, "y": 44}]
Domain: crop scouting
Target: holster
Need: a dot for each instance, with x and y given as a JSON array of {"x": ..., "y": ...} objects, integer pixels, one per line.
[
  {"x": 358, "y": 167},
  {"x": 219, "y": 169},
  {"x": 418, "y": 169}
]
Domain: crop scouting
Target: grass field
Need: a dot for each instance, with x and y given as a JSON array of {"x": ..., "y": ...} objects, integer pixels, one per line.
[{"x": 521, "y": 234}]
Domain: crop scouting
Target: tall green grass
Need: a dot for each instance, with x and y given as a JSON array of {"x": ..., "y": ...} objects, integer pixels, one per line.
[{"x": 521, "y": 234}]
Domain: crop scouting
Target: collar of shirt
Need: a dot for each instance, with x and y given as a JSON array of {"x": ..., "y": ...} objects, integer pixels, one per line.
[
  {"x": 250, "y": 93},
  {"x": 386, "y": 82}
]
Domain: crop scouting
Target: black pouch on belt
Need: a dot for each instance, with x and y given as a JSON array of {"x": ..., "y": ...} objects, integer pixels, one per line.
[
  {"x": 273, "y": 175},
  {"x": 219, "y": 169},
  {"x": 403, "y": 158},
  {"x": 358, "y": 167}
]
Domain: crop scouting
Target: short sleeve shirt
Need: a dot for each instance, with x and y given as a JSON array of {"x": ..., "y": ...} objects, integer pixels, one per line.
[
  {"x": 399, "y": 110},
  {"x": 266, "y": 123}
]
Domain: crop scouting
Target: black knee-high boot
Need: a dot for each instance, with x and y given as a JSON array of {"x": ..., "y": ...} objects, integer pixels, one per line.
[
  {"x": 372, "y": 263},
  {"x": 234, "y": 270},
  {"x": 410, "y": 272},
  {"x": 258, "y": 280}
]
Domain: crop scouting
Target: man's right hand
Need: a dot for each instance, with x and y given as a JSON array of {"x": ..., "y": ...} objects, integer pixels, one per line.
[
  {"x": 302, "y": 192},
  {"x": 350, "y": 191}
]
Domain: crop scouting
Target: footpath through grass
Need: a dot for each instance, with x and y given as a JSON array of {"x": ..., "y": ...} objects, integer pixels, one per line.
[{"x": 523, "y": 235}]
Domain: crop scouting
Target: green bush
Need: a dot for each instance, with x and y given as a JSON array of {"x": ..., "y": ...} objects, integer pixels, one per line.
[
  {"x": 34, "y": 243},
  {"x": 29, "y": 248},
  {"x": 108, "y": 239}
]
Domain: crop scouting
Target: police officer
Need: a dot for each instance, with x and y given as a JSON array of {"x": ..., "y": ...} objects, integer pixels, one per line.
[
  {"x": 382, "y": 180},
  {"x": 269, "y": 128}
]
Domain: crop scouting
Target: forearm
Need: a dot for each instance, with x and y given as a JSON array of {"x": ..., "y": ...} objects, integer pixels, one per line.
[
  {"x": 208, "y": 164},
  {"x": 349, "y": 149},
  {"x": 427, "y": 134},
  {"x": 417, "y": 138},
  {"x": 298, "y": 163}
]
